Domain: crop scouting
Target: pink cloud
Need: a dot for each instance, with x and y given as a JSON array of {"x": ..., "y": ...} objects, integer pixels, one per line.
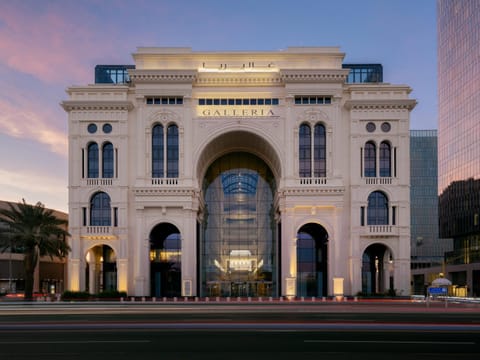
[
  {"x": 32, "y": 122},
  {"x": 47, "y": 43}
]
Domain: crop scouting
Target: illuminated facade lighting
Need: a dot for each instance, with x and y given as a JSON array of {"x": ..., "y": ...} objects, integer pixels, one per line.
[{"x": 239, "y": 174}]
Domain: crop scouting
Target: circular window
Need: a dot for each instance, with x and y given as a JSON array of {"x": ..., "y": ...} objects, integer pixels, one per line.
[
  {"x": 386, "y": 127},
  {"x": 92, "y": 128},
  {"x": 107, "y": 128},
  {"x": 370, "y": 127}
]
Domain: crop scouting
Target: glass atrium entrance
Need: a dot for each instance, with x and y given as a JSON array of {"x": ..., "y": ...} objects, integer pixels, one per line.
[{"x": 237, "y": 242}]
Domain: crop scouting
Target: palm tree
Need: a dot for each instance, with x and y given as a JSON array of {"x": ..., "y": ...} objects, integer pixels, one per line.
[{"x": 34, "y": 231}]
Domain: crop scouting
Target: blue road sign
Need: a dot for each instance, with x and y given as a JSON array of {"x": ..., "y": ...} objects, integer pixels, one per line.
[{"x": 438, "y": 290}]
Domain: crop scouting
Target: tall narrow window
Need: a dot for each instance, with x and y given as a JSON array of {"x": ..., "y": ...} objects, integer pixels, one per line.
[
  {"x": 157, "y": 151},
  {"x": 370, "y": 154},
  {"x": 377, "y": 211},
  {"x": 92, "y": 160},
  {"x": 319, "y": 151},
  {"x": 116, "y": 163},
  {"x": 172, "y": 151},
  {"x": 395, "y": 162},
  {"x": 385, "y": 160},
  {"x": 305, "y": 151},
  {"x": 107, "y": 160},
  {"x": 83, "y": 163},
  {"x": 100, "y": 213}
]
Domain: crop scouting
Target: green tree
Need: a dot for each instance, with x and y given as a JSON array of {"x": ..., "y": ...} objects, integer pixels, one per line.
[{"x": 33, "y": 231}]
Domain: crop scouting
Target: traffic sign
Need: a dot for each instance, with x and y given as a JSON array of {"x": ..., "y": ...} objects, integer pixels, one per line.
[{"x": 438, "y": 290}]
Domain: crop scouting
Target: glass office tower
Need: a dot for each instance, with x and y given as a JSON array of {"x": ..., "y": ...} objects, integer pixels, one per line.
[
  {"x": 458, "y": 26},
  {"x": 427, "y": 249},
  {"x": 423, "y": 194}
]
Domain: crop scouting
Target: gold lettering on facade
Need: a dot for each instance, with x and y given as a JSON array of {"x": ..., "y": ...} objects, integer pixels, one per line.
[{"x": 235, "y": 112}]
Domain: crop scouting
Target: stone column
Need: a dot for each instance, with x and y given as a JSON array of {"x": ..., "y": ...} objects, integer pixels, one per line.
[
  {"x": 288, "y": 272},
  {"x": 189, "y": 254},
  {"x": 73, "y": 283},
  {"x": 122, "y": 275}
]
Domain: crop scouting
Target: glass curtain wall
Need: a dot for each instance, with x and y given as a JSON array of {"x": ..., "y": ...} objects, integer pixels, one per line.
[{"x": 238, "y": 255}]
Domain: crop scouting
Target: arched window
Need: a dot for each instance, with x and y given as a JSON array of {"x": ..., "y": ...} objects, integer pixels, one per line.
[
  {"x": 172, "y": 151},
  {"x": 370, "y": 160},
  {"x": 93, "y": 160},
  {"x": 107, "y": 160},
  {"x": 377, "y": 211},
  {"x": 100, "y": 213},
  {"x": 319, "y": 151},
  {"x": 385, "y": 160},
  {"x": 157, "y": 151},
  {"x": 305, "y": 151}
]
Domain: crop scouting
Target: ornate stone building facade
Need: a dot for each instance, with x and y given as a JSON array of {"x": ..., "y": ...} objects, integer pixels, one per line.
[{"x": 239, "y": 174}]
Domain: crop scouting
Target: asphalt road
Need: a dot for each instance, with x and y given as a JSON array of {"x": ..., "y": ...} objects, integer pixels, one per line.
[{"x": 255, "y": 331}]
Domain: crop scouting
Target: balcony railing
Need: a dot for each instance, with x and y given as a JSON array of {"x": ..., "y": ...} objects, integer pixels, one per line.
[
  {"x": 379, "y": 230},
  {"x": 99, "y": 230},
  {"x": 165, "y": 181},
  {"x": 103, "y": 232},
  {"x": 378, "y": 181},
  {"x": 99, "y": 181},
  {"x": 313, "y": 181}
]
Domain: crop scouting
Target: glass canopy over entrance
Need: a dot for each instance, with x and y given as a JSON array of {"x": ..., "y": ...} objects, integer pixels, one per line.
[{"x": 238, "y": 252}]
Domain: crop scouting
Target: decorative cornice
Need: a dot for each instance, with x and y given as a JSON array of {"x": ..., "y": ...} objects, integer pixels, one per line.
[
  {"x": 164, "y": 191},
  {"x": 70, "y": 105},
  {"x": 313, "y": 191},
  {"x": 98, "y": 237},
  {"x": 317, "y": 75},
  {"x": 399, "y": 104},
  {"x": 162, "y": 76},
  {"x": 238, "y": 79}
]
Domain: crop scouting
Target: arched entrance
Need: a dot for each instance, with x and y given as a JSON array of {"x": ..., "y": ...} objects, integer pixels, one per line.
[
  {"x": 312, "y": 256},
  {"x": 377, "y": 270},
  {"x": 165, "y": 261},
  {"x": 101, "y": 270},
  {"x": 238, "y": 255}
]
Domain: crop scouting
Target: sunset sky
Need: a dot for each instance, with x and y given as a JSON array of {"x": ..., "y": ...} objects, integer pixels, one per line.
[{"x": 48, "y": 45}]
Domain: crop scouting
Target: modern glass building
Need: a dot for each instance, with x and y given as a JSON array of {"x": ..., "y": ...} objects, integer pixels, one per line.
[
  {"x": 423, "y": 194},
  {"x": 427, "y": 249},
  {"x": 458, "y": 25},
  {"x": 239, "y": 174}
]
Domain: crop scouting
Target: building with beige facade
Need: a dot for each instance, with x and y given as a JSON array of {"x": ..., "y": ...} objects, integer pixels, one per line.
[
  {"x": 233, "y": 174},
  {"x": 49, "y": 274}
]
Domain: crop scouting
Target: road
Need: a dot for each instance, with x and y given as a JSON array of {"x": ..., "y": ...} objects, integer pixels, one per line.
[{"x": 239, "y": 331}]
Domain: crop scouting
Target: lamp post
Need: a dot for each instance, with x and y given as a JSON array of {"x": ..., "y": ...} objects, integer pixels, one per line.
[{"x": 10, "y": 268}]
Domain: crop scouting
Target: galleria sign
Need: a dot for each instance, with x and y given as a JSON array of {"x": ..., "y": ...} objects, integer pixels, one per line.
[{"x": 235, "y": 112}]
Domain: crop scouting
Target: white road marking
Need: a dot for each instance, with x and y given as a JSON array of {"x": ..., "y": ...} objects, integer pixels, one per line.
[
  {"x": 392, "y": 342},
  {"x": 75, "y": 342}
]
